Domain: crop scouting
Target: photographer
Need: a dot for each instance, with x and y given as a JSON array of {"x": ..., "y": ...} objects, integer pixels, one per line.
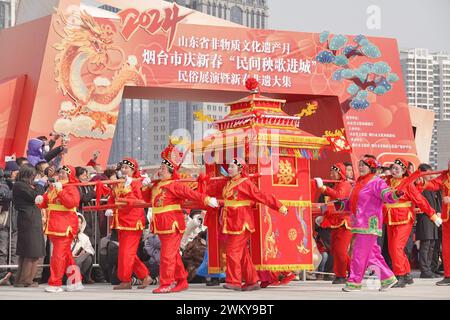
[
  {"x": 53, "y": 153},
  {"x": 38, "y": 150},
  {"x": 50, "y": 173},
  {"x": 8, "y": 220},
  {"x": 40, "y": 168}
]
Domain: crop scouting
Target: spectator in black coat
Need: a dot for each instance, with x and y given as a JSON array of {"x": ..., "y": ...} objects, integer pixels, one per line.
[
  {"x": 87, "y": 194},
  {"x": 30, "y": 239},
  {"x": 427, "y": 231}
]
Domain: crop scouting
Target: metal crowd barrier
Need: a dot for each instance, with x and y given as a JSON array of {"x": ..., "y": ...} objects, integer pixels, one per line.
[
  {"x": 12, "y": 214},
  {"x": 95, "y": 245}
]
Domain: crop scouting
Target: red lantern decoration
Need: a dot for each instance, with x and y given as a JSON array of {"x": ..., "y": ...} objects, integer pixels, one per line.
[{"x": 252, "y": 85}]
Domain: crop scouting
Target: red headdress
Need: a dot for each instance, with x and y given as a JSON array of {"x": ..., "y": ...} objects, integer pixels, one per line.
[
  {"x": 340, "y": 168},
  {"x": 71, "y": 173},
  {"x": 371, "y": 163},
  {"x": 241, "y": 165},
  {"x": 404, "y": 164},
  {"x": 173, "y": 158},
  {"x": 133, "y": 165}
]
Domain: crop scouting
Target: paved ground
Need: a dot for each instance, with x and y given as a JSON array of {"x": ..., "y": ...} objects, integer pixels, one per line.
[{"x": 423, "y": 289}]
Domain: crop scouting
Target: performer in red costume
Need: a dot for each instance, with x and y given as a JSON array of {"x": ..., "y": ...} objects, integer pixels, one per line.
[
  {"x": 168, "y": 219},
  {"x": 400, "y": 218},
  {"x": 240, "y": 195},
  {"x": 61, "y": 201},
  {"x": 129, "y": 222},
  {"x": 339, "y": 223},
  {"x": 443, "y": 183}
]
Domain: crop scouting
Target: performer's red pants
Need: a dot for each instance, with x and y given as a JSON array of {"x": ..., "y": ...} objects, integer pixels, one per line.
[
  {"x": 398, "y": 236},
  {"x": 239, "y": 262},
  {"x": 128, "y": 261},
  {"x": 61, "y": 261},
  {"x": 446, "y": 247},
  {"x": 340, "y": 242},
  {"x": 171, "y": 266}
]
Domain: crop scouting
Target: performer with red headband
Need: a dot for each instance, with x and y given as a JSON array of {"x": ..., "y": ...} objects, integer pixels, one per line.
[
  {"x": 365, "y": 204},
  {"x": 61, "y": 227},
  {"x": 400, "y": 218},
  {"x": 240, "y": 195},
  {"x": 443, "y": 183},
  {"x": 168, "y": 218},
  {"x": 339, "y": 223},
  {"x": 129, "y": 222}
]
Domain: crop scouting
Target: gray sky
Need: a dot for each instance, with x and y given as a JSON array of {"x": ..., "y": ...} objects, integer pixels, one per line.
[{"x": 414, "y": 23}]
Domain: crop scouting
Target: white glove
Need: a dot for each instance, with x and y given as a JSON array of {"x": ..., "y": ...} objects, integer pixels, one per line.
[
  {"x": 128, "y": 181},
  {"x": 109, "y": 213},
  {"x": 39, "y": 199},
  {"x": 213, "y": 203},
  {"x": 446, "y": 200},
  {"x": 438, "y": 222},
  {"x": 319, "y": 220},
  {"x": 319, "y": 182},
  {"x": 150, "y": 214},
  {"x": 417, "y": 243},
  {"x": 146, "y": 182},
  {"x": 58, "y": 186},
  {"x": 438, "y": 214}
]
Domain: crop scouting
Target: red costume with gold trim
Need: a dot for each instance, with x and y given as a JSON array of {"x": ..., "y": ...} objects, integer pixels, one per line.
[
  {"x": 129, "y": 222},
  {"x": 339, "y": 223},
  {"x": 443, "y": 183},
  {"x": 169, "y": 224},
  {"x": 399, "y": 218},
  {"x": 61, "y": 226},
  {"x": 240, "y": 195}
]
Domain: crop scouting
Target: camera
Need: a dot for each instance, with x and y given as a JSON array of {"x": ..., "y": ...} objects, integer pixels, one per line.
[{"x": 62, "y": 135}]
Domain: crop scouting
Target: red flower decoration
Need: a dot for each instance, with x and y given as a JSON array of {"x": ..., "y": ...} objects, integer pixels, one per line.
[{"x": 252, "y": 84}]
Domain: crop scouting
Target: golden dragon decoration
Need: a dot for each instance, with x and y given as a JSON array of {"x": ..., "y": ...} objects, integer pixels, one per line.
[
  {"x": 271, "y": 249},
  {"x": 311, "y": 108},
  {"x": 85, "y": 72}
]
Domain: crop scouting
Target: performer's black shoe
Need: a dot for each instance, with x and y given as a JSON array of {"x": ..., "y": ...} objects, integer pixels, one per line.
[
  {"x": 213, "y": 282},
  {"x": 339, "y": 280},
  {"x": 444, "y": 282},
  {"x": 401, "y": 282},
  {"x": 409, "y": 279}
]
